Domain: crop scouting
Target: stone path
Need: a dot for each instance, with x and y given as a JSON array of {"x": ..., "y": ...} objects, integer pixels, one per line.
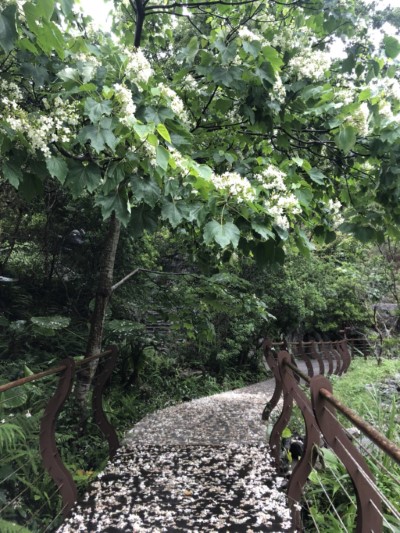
[{"x": 201, "y": 466}]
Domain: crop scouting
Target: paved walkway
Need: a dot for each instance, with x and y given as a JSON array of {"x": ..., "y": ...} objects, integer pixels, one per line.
[{"x": 201, "y": 466}]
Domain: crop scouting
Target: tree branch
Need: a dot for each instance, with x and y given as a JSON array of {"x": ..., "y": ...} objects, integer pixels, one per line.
[
  {"x": 201, "y": 4},
  {"x": 147, "y": 271}
]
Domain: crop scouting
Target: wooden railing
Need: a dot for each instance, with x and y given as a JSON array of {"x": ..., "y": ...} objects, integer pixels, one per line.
[
  {"x": 68, "y": 372},
  {"x": 322, "y": 428}
]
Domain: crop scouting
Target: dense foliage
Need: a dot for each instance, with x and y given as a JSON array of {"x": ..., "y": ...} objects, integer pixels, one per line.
[{"x": 219, "y": 154}]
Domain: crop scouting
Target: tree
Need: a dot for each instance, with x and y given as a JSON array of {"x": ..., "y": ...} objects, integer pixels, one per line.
[{"x": 233, "y": 118}]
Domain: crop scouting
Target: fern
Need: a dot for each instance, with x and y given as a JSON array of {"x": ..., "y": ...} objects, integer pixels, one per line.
[
  {"x": 10, "y": 527},
  {"x": 10, "y": 436}
]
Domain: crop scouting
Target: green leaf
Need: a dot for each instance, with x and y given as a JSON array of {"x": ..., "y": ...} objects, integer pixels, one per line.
[
  {"x": 143, "y": 218},
  {"x": 8, "y": 32},
  {"x": 57, "y": 168},
  {"x": 162, "y": 130},
  {"x": 262, "y": 230},
  {"x": 304, "y": 196},
  {"x": 12, "y": 173},
  {"x": 11, "y": 527},
  {"x": 303, "y": 243},
  {"x": 143, "y": 130},
  {"x": 45, "y": 8},
  {"x": 253, "y": 48},
  {"x": 99, "y": 135},
  {"x": 391, "y": 46},
  {"x": 317, "y": 176},
  {"x": 38, "y": 74},
  {"x": 95, "y": 110},
  {"x": 54, "y": 322},
  {"x": 223, "y": 234},
  {"x": 145, "y": 189},
  {"x": 82, "y": 177},
  {"x": 50, "y": 38},
  {"x": 162, "y": 157},
  {"x": 115, "y": 174},
  {"x": 172, "y": 212},
  {"x": 69, "y": 74},
  {"x": 346, "y": 138},
  {"x": 114, "y": 202}
]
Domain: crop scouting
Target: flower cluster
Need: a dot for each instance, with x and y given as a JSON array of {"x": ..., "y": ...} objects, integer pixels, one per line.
[
  {"x": 247, "y": 35},
  {"x": 235, "y": 185},
  {"x": 40, "y": 129},
  {"x": 271, "y": 178},
  {"x": 88, "y": 66},
  {"x": 138, "y": 67},
  {"x": 392, "y": 88},
  {"x": 128, "y": 108},
  {"x": 175, "y": 102},
  {"x": 359, "y": 119},
  {"x": 280, "y": 206},
  {"x": 310, "y": 64},
  {"x": 278, "y": 91},
  {"x": 335, "y": 209}
]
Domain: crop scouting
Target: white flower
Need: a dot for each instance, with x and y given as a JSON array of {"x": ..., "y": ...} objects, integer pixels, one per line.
[
  {"x": 128, "y": 108},
  {"x": 175, "y": 102},
  {"x": 278, "y": 91},
  {"x": 310, "y": 64},
  {"x": 247, "y": 35},
  {"x": 235, "y": 185},
  {"x": 271, "y": 178},
  {"x": 359, "y": 119},
  {"x": 138, "y": 67}
]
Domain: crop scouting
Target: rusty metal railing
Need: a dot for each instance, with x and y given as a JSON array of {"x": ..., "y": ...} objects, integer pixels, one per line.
[
  {"x": 321, "y": 426},
  {"x": 67, "y": 371}
]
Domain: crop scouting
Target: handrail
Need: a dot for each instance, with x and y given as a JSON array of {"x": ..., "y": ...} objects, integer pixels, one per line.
[
  {"x": 51, "y": 458},
  {"x": 319, "y": 413},
  {"x": 376, "y": 436},
  {"x": 380, "y": 440},
  {"x": 49, "y": 372}
]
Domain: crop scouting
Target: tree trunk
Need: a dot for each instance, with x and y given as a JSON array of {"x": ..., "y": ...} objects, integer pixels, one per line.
[{"x": 103, "y": 293}]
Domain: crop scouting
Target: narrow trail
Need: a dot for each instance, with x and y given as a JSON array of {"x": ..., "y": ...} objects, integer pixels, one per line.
[{"x": 200, "y": 466}]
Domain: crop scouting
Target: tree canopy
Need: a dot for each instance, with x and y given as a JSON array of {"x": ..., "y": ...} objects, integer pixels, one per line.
[{"x": 233, "y": 118}]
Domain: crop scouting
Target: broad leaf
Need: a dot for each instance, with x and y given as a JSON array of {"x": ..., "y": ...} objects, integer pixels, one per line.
[
  {"x": 114, "y": 203},
  {"x": 162, "y": 130},
  {"x": 223, "y": 234},
  {"x": 392, "y": 46},
  {"x": 346, "y": 138},
  {"x": 57, "y": 168},
  {"x": 145, "y": 189},
  {"x": 99, "y": 135},
  {"x": 81, "y": 177},
  {"x": 12, "y": 173},
  {"x": 95, "y": 110},
  {"x": 173, "y": 212},
  {"x": 8, "y": 32},
  {"x": 317, "y": 176},
  {"x": 162, "y": 157}
]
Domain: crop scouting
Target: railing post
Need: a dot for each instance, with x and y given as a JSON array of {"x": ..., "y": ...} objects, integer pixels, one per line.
[
  {"x": 369, "y": 513},
  {"x": 316, "y": 355},
  {"x": 51, "y": 459},
  {"x": 97, "y": 403},
  {"x": 303, "y": 468},
  {"x": 284, "y": 417},
  {"x": 346, "y": 357},
  {"x": 270, "y": 359},
  {"x": 306, "y": 358}
]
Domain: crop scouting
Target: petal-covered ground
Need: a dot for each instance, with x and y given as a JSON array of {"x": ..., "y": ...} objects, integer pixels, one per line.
[{"x": 201, "y": 466}]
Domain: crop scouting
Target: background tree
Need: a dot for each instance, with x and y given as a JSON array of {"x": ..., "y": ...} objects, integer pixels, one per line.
[{"x": 248, "y": 131}]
